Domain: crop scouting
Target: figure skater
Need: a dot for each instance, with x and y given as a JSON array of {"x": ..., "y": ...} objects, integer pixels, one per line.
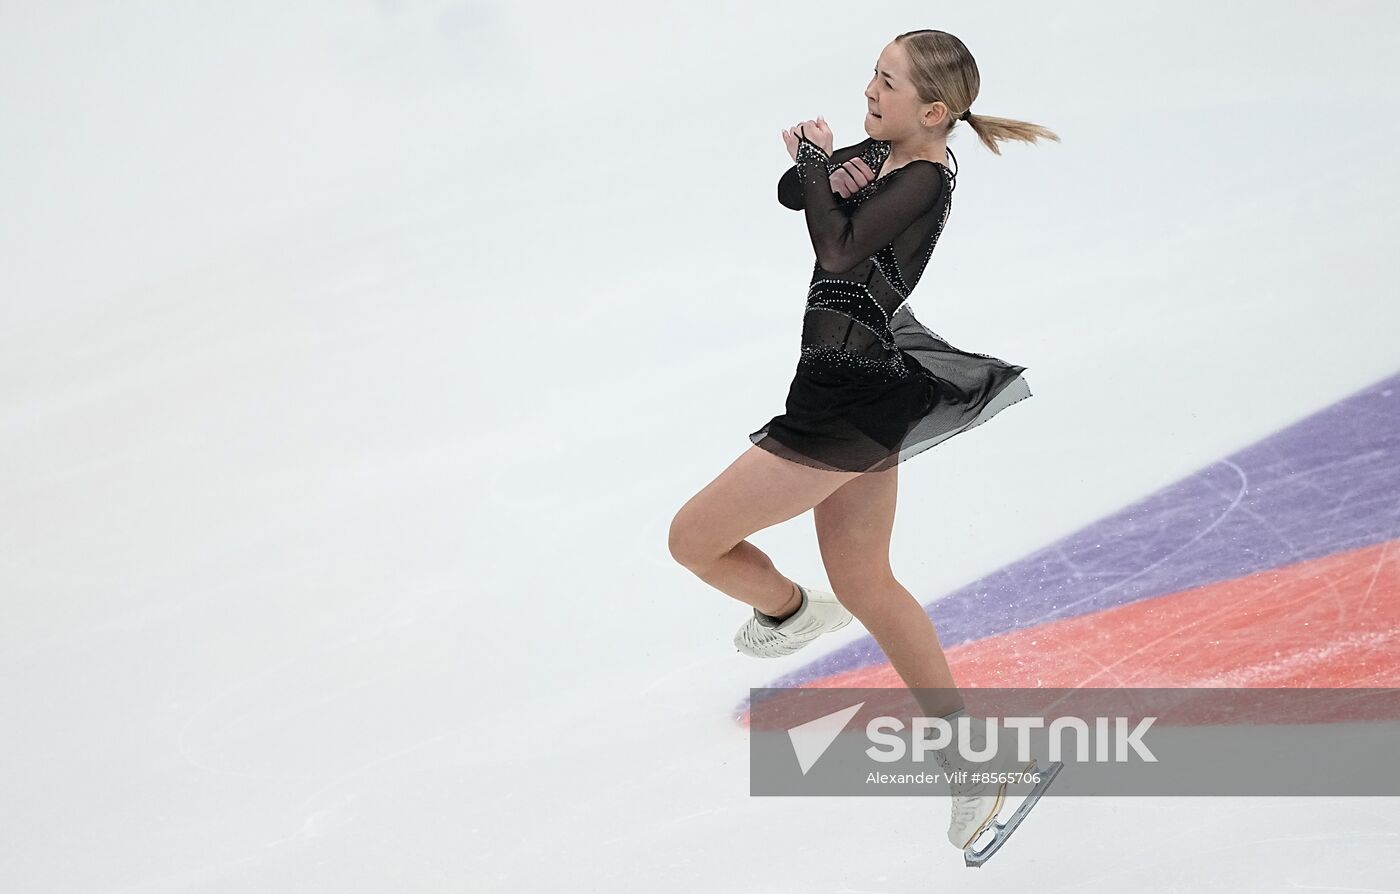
[{"x": 873, "y": 386}]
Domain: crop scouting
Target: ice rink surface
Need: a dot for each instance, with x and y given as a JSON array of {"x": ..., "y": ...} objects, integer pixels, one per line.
[{"x": 355, "y": 357}]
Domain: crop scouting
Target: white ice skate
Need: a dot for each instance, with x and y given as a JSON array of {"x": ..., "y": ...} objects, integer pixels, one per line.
[
  {"x": 975, "y": 803},
  {"x": 820, "y": 612}
]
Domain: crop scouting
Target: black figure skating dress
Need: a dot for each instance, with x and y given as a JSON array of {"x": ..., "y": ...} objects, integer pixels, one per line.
[{"x": 873, "y": 385}]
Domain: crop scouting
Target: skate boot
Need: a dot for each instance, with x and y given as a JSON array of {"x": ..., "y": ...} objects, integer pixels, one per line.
[
  {"x": 975, "y": 802},
  {"x": 766, "y": 637}
]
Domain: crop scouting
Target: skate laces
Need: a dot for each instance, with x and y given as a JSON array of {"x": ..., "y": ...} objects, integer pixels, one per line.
[
  {"x": 964, "y": 805},
  {"x": 756, "y": 634},
  {"x": 759, "y": 637},
  {"x": 951, "y": 760},
  {"x": 964, "y": 810}
]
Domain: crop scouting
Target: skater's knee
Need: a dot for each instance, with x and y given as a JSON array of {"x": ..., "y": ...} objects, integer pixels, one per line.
[
  {"x": 863, "y": 591},
  {"x": 687, "y": 542}
]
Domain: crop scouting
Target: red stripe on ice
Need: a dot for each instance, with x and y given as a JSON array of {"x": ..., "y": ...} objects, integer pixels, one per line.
[{"x": 1327, "y": 622}]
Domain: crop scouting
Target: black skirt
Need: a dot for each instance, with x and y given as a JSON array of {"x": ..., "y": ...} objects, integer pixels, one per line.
[{"x": 853, "y": 413}]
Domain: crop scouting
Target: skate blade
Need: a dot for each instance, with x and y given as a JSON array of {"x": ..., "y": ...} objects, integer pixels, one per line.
[{"x": 1002, "y": 831}]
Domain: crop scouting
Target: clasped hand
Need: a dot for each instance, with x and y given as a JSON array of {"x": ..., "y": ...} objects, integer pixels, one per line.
[{"x": 848, "y": 178}]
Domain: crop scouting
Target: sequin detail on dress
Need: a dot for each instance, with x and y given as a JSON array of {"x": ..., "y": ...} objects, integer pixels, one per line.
[{"x": 873, "y": 386}]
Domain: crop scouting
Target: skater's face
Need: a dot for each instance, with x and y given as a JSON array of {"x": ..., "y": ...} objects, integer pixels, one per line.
[{"x": 893, "y": 108}]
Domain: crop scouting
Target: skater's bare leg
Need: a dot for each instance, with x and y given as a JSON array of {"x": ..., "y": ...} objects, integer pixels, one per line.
[
  {"x": 854, "y": 525},
  {"x": 758, "y": 490},
  {"x": 747, "y": 570}
]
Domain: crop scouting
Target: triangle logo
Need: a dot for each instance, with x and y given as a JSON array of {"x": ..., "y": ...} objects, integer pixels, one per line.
[{"x": 810, "y": 740}]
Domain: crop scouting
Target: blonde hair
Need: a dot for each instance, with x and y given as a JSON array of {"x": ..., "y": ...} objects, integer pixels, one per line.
[{"x": 942, "y": 70}]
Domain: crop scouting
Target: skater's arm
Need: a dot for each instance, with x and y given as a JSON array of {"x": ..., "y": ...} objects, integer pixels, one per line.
[
  {"x": 843, "y": 238},
  {"x": 790, "y": 184}
]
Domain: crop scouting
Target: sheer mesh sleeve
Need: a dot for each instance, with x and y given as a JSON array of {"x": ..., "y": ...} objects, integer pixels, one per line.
[
  {"x": 842, "y": 238},
  {"x": 790, "y": 184}
]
